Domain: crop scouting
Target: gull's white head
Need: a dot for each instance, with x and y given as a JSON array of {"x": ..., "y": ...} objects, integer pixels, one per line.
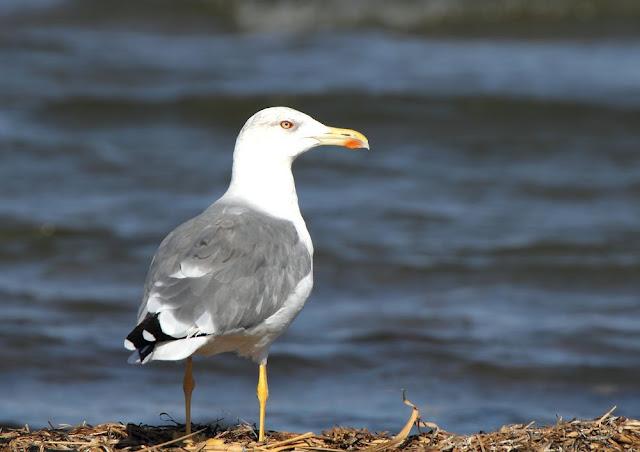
[
  {"x": 266, "y": 147},
  {"x": 286, "y": 133}
]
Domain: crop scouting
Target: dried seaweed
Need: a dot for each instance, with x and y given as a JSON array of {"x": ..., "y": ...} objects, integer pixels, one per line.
[{"x": 605, "y": 433}]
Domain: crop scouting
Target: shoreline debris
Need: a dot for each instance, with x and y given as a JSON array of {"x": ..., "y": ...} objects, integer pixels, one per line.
[{"x": 604, "y": 433}]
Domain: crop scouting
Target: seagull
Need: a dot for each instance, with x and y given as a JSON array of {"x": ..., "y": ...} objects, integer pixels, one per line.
[{"x": 233, "y": 278}]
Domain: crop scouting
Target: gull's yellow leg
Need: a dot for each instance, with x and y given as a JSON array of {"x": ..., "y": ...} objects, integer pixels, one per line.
[
  {"x": 188, "y": 383},
  {"x": 263, "y": 395}
]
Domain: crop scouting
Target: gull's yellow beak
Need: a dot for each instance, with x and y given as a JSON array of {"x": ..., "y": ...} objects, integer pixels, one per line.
[{"x": 348, "y": 138}]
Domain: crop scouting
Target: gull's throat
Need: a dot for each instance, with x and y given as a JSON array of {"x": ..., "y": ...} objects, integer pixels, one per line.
[{"x": 266, "y": 184}]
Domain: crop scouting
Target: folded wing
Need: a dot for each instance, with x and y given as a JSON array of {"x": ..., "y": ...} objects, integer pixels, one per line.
[{"x": 226, "y": 270}]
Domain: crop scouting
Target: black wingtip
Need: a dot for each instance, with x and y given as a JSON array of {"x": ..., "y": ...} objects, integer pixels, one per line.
[{"x": 146, "y": 335}]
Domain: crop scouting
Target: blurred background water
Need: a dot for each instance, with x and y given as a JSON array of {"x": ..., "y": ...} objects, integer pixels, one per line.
[{"x": 485, "y": 255}]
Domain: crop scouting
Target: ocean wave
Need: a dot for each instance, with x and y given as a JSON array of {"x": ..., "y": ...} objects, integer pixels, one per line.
[
  {"x": 152, "y": 66},
  {"x": 229, "y": 110},
  {"x": 461, "y": 16},
  {"x": 422, "y": 16}
]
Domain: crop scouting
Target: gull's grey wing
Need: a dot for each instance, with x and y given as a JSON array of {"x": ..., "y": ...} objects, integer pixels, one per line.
[{"x": 229, "y": 268}]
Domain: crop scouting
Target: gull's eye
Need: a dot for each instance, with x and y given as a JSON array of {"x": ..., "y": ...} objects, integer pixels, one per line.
[{"x": 286, "y": 124}]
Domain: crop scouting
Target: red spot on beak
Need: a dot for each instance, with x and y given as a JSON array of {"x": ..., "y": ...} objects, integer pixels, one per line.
[{"x": 353, "y": 144}]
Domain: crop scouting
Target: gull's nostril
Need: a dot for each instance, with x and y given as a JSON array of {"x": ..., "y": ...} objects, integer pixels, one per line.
[{"x": 345, "y": 135}]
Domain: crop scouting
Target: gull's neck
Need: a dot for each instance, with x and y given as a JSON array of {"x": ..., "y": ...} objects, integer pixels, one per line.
[{"x": 266, "y": 183}]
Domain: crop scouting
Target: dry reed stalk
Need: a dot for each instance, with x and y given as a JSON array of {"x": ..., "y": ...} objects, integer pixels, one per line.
[{"x": 605, "y": 433}]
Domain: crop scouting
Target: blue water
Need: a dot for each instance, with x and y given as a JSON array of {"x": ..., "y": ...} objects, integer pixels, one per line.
[{"x": 484, "y": 256}]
